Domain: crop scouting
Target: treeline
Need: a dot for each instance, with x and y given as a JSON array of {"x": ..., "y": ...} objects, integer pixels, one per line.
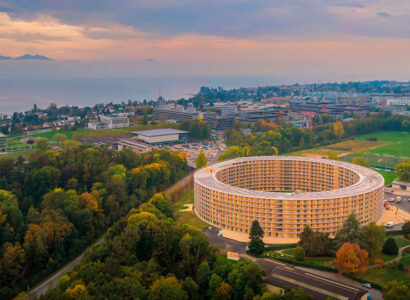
[
  {"x": 148, "y": 256},
  {"x": 58, "y": 202},
  {"x": 290, "y": 139}
]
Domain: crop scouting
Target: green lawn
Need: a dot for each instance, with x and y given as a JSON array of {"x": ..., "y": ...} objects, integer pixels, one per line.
[
  {"x": 405, "y": 260},
  {"x": 383, "y": 275},
  {"x": 189, "y": 218},
  {"x": 401, "y": 242},
  {"x": 187, "y": 197},
  {"x": 290, "y": 254},
  {"x": 400, "y": 143},
  {"x": 389, "y": 177}
]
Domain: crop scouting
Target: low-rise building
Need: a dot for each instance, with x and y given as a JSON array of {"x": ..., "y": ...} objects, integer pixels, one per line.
[
  {"x": 162, "y": 136},
  {"x": 115, "y": 121},
  {"x": 97, "y": 125}
]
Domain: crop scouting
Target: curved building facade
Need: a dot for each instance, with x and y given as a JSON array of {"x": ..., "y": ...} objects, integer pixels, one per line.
[{"x": 286, "y": 193}]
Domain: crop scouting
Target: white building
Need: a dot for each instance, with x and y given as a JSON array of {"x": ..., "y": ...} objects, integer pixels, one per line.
[
  {"x": 97, "y": 125},
  {"x": 398, "y": 101},
  {"x": 161, "y": 136},
  {"x": 115, "y": 121}
]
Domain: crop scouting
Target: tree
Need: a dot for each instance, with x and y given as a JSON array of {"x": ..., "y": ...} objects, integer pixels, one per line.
[
  {"x": 338, "y": 129},
  {"x": 59, "y": 138},
  {"x": 373, "y": 237},
  {"x": 406, "y": 228},
  {"x": 41, "y": 144},
  {"x": 162, "y": 203},
  {"x": 333, "y": 156},
  {"x": 256, "y": 234},
  {"x": 390, "y": 247},
  {"x": 315, "y": 243},
  {"x": 223, "y": 292},
  {"x": 350, "y": 258},
  {"x": 403, "y": 170},
  {"x": 214, "y": 283},
  {"x": 167, "y": 288},
  {"x": 360, "y": 161},
  {"x": 396, "y": 290},
  {"x": 204, "y": 275},
  {"x": 299, "y": 254},
  {"x": 13, "y": 260},
  {"x": 351, "y": 232},
  {"x": 201, "y": 160}
]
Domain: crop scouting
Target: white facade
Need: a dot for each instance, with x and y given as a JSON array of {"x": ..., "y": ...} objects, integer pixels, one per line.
[
  {"x": 398, "y": 101},
  {"x": 115, "y": 121}
]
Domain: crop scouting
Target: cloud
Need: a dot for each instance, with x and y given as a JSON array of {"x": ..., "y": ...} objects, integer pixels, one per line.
[{"x": 384, "y": 14}]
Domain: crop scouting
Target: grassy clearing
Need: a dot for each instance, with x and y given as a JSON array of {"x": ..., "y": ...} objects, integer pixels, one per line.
[
  {"x": 290, "y": 254},
  {"x": 383, "y": 275},
  {"x": 187, "y": 197},
  {"x": 15, "y": 155},
  {"x": 187, "y": 217},
  {"x": 405, "y": 260},
  {"x": 345, "y": 147}
]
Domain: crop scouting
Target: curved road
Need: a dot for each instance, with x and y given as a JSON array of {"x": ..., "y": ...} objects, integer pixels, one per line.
[
  {"x": 51, "y": 283},
  {"x": 397, "y": 258}
]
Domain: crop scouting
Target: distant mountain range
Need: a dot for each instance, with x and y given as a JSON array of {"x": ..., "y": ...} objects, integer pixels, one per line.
[{"x": 25, "y": 57}]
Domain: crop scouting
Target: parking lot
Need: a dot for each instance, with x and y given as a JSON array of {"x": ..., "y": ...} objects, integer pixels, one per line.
[{"x": 191, "y": 150}]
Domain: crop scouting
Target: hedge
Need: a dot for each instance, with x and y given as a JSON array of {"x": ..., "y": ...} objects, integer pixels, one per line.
[
  {"x": 394, "y": 232},
  {"x": 281, "y": 247},
  {"x": 374, "y": 285}
]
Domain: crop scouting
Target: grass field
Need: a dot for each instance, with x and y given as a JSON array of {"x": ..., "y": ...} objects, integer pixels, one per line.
[
  {"x": 398, "y": 143},
  {"x": 187, "y": 217},
  {"x": 383, "y": 275},
  {"x": 388, "y": 176}
]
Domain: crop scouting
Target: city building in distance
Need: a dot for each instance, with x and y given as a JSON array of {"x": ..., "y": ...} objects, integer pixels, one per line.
[
  {"x": 162, "y": 136},
  {"x": 285, "y": 194}
]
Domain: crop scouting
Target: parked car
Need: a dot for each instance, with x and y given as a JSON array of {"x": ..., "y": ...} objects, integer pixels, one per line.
[
  {"x": 389, "y": 225},
  {"x": 391, "y": 199},
  {"x": 367, "y": 285}
]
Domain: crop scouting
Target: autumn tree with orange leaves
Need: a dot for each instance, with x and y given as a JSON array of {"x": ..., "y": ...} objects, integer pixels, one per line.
[{"x": 350, "y": 258}]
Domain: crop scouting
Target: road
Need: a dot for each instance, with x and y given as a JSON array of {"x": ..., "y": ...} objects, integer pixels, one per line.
[
  {"x": 266, "y": 263},
  {"x": 51, "y": 282}
]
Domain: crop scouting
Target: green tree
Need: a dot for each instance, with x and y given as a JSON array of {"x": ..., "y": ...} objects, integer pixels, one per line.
[
  {"x": 214, "y": 283},
  {"x": 390, "y": 247},
  {"x": 351, "y": 232},
  {"x": 256, "y": 245},
  {"x": 162, "y": 203},
  {"x": 360, "y": 161},
  {"x": 204, "y": 275},
  {"x": 41, "y": 144},
  {"x": 167, "y": 289},
  {"x": 397, "y": 290},
  {"x": 373, "y": 237},
  {"x": 315, "y": 243},
  {"x": 299, "y": 253},
  {"x": 406, "y": 228},
  {"x": 201, "y": 160},
  {"x": 59, "y": 138},
  {"x": 403, "y": 170},
  {"x": 223, "y": 291},
  {"x": 333, "y": 156}
]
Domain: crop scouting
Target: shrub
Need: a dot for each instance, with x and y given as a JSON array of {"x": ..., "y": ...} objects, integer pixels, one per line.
[
  {"x": 378, "y": 261},
  {"x": 300, "y": 253},
  {"x": 406, "y": 228},
  {"x": 390, "y": 247}
]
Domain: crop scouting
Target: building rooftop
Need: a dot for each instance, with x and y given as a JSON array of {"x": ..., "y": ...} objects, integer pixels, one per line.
[
  {"x": 159, "y": 132},
  {"x": 283, "y": 275},
  {"x": 369, "y": 180}
]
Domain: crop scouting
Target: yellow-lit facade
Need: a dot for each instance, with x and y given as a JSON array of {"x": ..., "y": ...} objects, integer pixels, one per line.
[{"x": 286, "y": 193}]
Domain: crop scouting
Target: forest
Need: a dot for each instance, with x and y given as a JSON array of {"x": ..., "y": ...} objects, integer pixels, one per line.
[{"x": 58, "y": 202}]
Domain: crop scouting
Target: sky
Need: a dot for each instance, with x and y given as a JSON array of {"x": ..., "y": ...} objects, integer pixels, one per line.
[{"x": 298, "y": 40}]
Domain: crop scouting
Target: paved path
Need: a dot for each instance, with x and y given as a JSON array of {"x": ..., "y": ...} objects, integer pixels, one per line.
[
  {"x": 397, "y": 258},
  {"x": 51, "y": 283}
]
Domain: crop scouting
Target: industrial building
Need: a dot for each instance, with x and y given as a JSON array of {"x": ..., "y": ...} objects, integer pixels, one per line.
[
  {"x": 162, "y": 136},
  {"x": 285, "y": 194},
  {"x": 218, "y": 122}
]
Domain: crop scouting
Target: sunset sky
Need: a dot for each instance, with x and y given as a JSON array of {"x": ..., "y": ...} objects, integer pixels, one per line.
[{"x": 219, "y": 36}]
